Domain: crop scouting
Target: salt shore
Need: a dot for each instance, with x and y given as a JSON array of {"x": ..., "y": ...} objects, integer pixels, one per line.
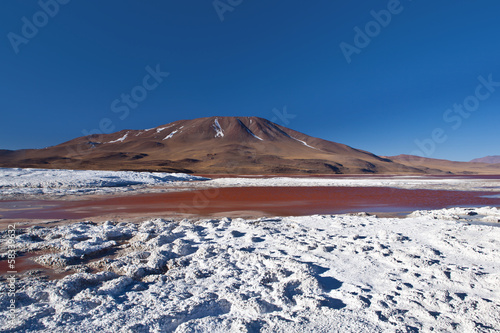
[
  {"x": 432, "y": 271},
  {"x": 15, "y": 182},
  {"x": 53, "y": 183}
]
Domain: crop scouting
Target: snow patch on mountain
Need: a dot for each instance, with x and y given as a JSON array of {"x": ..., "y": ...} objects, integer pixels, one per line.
[
  {"x": 120, "y": 139},
  {"x": 304, "y": 143},
  {"x": 249, "y": 131},
  {"x": 255, "y": 136},
  {"x": 218, "y": 130},
  {"x": 171, "y": 135},
  {"x": 158, "y": 130}
]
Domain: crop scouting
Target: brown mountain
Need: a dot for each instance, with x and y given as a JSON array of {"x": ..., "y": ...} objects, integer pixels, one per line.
[
  {"x": 487, "y": 159},
  {"x": 237, "y": 145},
  {"x": 435, "y": 166}
]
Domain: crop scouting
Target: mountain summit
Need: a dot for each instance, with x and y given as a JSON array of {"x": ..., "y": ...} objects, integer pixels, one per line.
[{"x": 237, "y": 145}]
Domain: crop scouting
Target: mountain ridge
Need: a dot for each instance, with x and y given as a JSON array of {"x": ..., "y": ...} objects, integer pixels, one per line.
[
  {"x": 217, "y": 145},
  {"x": 492, "y": 159}
]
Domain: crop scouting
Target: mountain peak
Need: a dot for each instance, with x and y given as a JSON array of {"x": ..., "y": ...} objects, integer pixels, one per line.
[
  {"x": 217, "y": 144},
  {"x": 224, "y": 128}
]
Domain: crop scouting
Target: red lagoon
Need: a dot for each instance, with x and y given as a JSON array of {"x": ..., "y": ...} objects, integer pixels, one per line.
[{"x": 268, "y": 201}]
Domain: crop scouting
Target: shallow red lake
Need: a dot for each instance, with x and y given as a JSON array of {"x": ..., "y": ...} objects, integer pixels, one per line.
[{"x": 283, "y": 201}]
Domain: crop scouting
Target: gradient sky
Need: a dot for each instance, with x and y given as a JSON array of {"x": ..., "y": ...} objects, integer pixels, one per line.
[{"x": 263, "y": 56}]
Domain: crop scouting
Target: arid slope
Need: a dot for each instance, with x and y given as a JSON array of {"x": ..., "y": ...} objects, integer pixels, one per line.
[{"x": 224, "y": 145}]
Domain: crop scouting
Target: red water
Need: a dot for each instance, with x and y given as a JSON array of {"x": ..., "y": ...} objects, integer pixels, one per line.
[
  {"x": 23, "y": 263},
  {"x": 284, "y": 201}
]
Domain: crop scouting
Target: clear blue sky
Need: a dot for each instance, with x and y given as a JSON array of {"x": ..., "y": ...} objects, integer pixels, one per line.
[{"x": 263, "y": 55}]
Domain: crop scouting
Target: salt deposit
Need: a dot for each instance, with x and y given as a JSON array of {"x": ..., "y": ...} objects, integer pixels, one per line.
[
  {"x": 433, "y": 271},
  {"x": 64, "y": 182}
]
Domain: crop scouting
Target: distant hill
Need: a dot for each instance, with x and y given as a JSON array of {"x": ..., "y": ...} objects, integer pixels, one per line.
[
  {"x": 436, "y": 166},
  {"x": 487, "y": 159}
]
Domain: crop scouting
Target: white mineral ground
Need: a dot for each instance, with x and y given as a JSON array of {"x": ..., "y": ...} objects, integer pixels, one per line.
[
  {"x": 16, "y": 183},
  {"x": 431, "y": 271},
  {"x": 434, "y": 270}
]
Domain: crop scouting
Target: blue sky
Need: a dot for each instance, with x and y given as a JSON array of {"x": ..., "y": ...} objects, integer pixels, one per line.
[{"x": 395, "y": 95}]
